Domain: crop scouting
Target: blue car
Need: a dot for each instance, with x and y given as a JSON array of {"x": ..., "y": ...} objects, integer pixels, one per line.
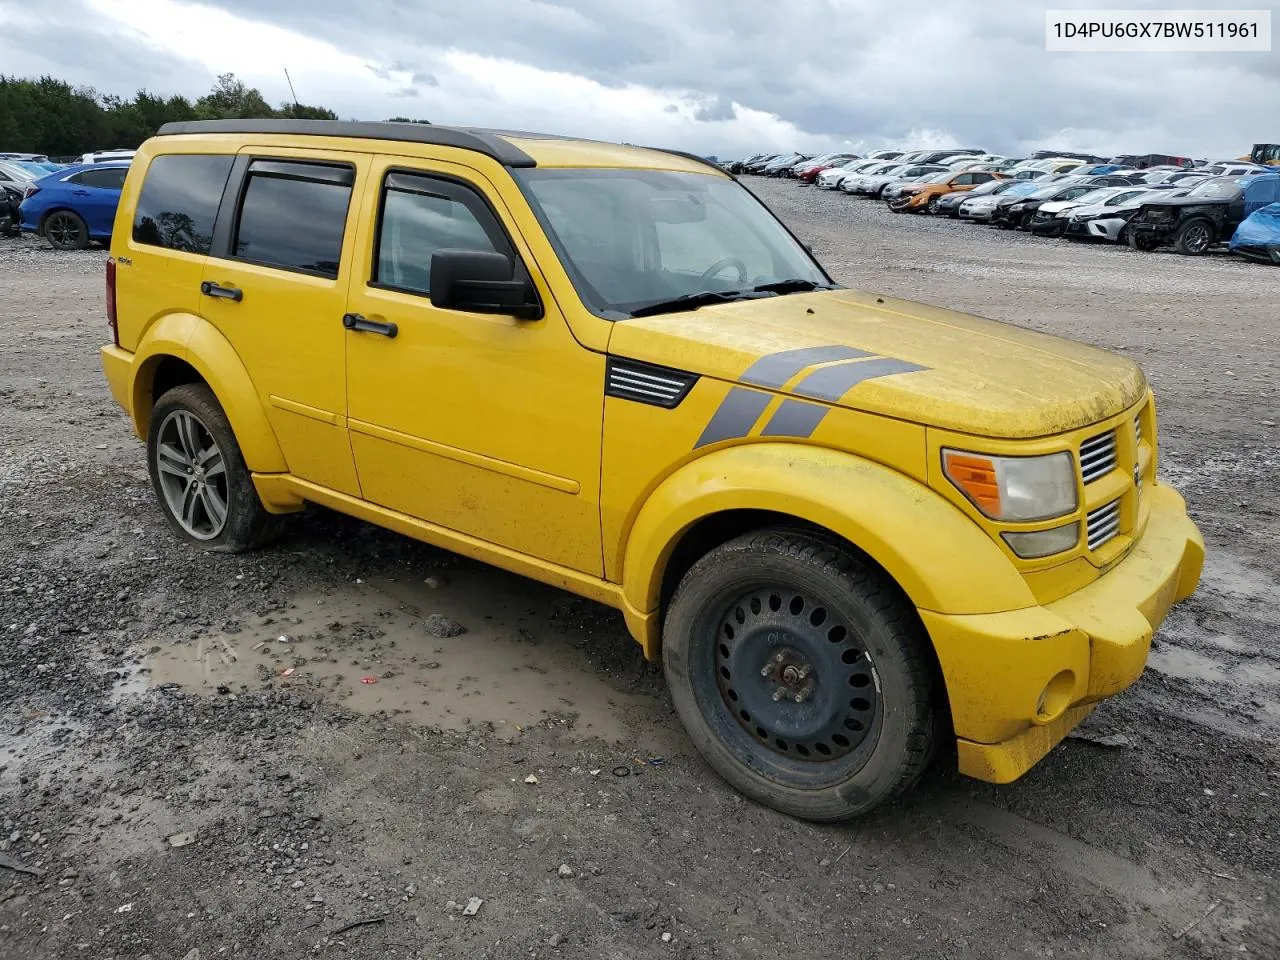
[{"x": 74, "y": 206}]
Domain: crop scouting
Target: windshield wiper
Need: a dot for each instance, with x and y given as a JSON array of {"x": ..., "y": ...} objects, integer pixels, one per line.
[
  {"x": 691, "y": 301},
  {"x": 794, "y": 285}
]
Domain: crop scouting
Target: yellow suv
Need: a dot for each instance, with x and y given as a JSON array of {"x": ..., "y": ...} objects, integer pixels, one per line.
[{"x": 852, "y": 527}]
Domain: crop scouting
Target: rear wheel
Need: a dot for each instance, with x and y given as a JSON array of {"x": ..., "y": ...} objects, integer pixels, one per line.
[
  {"x": 933, "y": 205},
  {"x": 199, "y": 475},
  {"x": 1193, "y": 238},
  {"x": 802, "y": 676},
  {"x": 66, "y": 231}
]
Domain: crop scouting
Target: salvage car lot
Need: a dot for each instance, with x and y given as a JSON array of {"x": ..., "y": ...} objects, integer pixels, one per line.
[{"x": 478, "y": 764}]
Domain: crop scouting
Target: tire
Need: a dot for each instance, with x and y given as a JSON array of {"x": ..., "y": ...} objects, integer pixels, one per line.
[
  {"x": 1007, "y": 224},
  {"x": 66, "y": 230},
  {"x": 1025, "y": 222},
  {"x": 933, "y": 206},
  {"x": 1194, "y": 238},
  {"x": 808, "y": 619},
  {"x": 244, "y": 522},
  {"x": 1123, "y": 235},
  {"x": 1146, "y": 244}
]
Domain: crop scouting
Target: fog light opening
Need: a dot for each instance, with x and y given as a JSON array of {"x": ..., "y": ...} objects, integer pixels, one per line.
[{"x": 1055, "y": 698}]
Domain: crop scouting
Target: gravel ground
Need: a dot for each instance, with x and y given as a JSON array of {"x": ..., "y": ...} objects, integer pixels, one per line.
[{"x": 177, "y": 796}]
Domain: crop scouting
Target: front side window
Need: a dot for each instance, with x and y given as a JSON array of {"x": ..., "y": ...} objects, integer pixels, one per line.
[
  {"x": 631, "y": 239},
  {"x": 422, "y": 214},
  {"x": 293, "y": 216},
  {"x": 179, "y": 201}
]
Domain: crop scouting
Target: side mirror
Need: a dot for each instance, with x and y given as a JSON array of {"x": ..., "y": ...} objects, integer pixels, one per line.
[{"x": 481, "y": 281}]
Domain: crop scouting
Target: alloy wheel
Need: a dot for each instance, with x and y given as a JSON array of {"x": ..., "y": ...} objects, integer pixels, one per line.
[
  {"x": 193, "y": 475},
  {"x": 63, "y": 230}
]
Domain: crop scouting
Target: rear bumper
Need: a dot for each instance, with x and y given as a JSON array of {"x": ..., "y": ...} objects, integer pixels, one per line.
[
  {"x": 117, "y": 366},
  {"x": 1019, "y": 681}
]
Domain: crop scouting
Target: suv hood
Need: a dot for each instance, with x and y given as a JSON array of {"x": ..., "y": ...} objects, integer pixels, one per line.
[
  {"x": 1187, "y": 202},
  {"x": 924, "y": 364}
]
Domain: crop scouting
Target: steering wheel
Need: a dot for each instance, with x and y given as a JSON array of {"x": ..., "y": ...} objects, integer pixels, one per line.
[{"x": 719, "y": 266}]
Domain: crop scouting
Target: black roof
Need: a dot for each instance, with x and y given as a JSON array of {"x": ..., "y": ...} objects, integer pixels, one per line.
[
  {"x": 491, "y": 143},
  {"x": 488, "y": 142}
]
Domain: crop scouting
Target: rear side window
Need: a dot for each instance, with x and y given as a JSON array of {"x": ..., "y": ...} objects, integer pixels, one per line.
[
  {"x": 293, "y": 216},
  {"x": 179, "y": 201},
  {"x": 112, "y": 179}
]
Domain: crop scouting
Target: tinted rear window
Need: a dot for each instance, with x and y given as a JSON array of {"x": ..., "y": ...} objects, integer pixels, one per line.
[
  {"x": 179, "y": 201},
  {"x": 294, "y": 215},
  {"x": 112, "y": 179}
]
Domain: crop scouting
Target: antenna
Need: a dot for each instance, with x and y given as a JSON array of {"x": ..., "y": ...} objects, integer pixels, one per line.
[{"x": 291, "y": 90}]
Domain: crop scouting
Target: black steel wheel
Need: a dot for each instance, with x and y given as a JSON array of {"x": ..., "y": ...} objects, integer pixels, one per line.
[
  {"x": 803, "y": 676},
  {"x": 794, "y": 677},
  {"x": 66, "y": 231}
]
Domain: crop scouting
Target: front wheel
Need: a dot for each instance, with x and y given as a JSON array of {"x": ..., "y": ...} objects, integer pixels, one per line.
[
  {"x": 933, "y": 205},
  {"x": 199, "y": 475},
  {"x": 1194, "y": 238},
  {"x": 1144, "y": 243},
  {"x": 803, "y": 677}
]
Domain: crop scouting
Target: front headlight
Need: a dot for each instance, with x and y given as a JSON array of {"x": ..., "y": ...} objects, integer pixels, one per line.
[{"x": 1014, "y": 488}]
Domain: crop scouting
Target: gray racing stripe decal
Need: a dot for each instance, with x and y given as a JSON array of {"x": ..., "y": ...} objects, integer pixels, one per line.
[
  {"x": 795, "y": 418},
  {"x": 777, "y": 368},
  {"x": 832, "y": 383},
  {"x": 735, "y": 416}
]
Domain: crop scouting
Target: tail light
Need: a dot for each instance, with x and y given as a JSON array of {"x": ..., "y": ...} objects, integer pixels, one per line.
[
  {"x": 111, "y": 301},
  {"x": 32, "y": 190}
]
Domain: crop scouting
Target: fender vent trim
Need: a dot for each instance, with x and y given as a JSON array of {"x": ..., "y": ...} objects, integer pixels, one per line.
[{"x": 647, "y": 383}]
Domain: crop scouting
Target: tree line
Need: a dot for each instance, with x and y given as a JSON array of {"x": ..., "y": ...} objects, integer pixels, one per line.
[{"x": 52, "y": 117}]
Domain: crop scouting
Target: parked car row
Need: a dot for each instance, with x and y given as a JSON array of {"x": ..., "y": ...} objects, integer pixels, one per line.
[
  {"x": 1190, "y": 207},
  {"x": 69, "y": 205}
]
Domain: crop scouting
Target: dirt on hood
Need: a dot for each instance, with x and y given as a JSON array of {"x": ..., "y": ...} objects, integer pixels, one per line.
[{"x": 897, "y": 358}]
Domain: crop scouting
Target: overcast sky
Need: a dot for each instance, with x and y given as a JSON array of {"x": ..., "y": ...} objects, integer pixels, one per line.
[{"x": 713, "y": 76}]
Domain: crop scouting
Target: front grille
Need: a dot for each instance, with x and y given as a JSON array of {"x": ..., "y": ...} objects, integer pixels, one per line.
[
  {"x": 1137, "y": 428},
  {"x": 1098, "y": 456},
  {"x": 1103, "y": 524}
]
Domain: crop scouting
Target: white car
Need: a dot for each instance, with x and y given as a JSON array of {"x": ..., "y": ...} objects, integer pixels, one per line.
[
  {"x": 830, "y": 179},
  {"x": 908, "y": 172},
  {"x": 856, "y": 181},
  {"x": 103, "y": 156},
  {"x": 1110, "y": 224}
]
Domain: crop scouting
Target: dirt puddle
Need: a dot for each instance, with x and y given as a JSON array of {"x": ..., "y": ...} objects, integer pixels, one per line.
[{"x": 368, "y": 648}]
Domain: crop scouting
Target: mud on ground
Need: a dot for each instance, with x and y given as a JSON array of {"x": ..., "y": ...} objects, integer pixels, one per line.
[{"x": 175, "y": 791}]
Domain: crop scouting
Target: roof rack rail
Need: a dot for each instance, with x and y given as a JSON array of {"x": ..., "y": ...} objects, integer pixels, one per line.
[{"x": 481, "y": 141}]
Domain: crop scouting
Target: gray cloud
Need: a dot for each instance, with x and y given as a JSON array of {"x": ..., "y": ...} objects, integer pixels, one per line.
[{"x": 865, "y": 71}]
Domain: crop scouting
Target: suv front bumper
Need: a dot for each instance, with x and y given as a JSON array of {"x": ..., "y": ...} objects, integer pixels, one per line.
[{"x": 1020, "y": 681}]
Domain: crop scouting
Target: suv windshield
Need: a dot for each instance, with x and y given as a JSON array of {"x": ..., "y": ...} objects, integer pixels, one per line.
[
  {"x": 636, "y": 239},
  {"x": 1224, "y": 189}
]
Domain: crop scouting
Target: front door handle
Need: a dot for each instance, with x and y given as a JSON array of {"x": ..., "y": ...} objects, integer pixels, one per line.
[
  {"x": 353, "y": 321},
  {"x": 223, "y": 293}
]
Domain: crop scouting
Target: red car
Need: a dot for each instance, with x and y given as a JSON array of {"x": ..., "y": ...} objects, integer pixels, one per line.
[{"x": 810, "y": 171}]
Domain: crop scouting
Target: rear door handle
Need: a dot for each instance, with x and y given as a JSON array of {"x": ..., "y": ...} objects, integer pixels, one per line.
[
  {"x": 353, "y": 321},
  {"x": 79, "y": 193},
  {"x": 223, "y": 293}
]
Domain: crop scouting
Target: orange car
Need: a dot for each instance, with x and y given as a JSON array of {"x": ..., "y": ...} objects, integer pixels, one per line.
[{"x": 924, "y": 196}]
